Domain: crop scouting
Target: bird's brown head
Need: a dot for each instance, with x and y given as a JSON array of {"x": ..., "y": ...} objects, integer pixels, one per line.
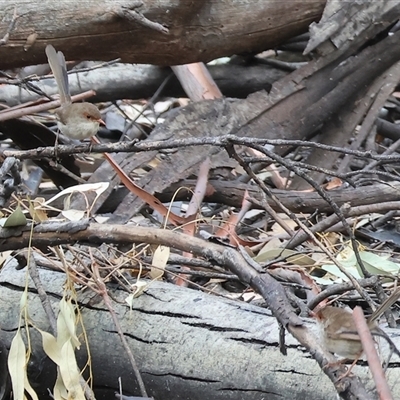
[{"x": 79, "y": 120}]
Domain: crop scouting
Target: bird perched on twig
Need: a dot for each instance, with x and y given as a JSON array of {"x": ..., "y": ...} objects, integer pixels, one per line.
[{"x": 78, "y": 120}]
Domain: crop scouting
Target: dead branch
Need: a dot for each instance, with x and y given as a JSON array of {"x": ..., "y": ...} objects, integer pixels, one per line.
[
  {"x": 127, "y": 81},
  {"x": 199, "y": 31}
]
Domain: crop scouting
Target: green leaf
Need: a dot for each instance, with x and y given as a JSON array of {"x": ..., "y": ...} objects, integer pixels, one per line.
[
  {"x": 378, "y": 265},
  {"x": 17, "y": 218},
  {"x": 292, "y": 256}
]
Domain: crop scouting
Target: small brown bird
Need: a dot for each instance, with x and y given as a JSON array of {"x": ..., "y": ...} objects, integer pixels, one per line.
[
  {"x": 79, "y": 120},
  {"x": 339, "y": 330}
]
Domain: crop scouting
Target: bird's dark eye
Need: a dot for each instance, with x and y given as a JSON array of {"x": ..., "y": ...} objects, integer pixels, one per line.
[{"x": 88, "y": 116}]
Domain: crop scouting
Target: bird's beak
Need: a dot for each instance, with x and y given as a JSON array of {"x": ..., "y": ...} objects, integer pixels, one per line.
[{"x": 101, "y": 122}]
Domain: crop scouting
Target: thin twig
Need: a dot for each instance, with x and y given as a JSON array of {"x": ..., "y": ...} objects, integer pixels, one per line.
[
  {"x": 102, "y": 290},
  {"x": 219, "y": 141},
  {"x": 18, "y": 113},
  {"x": 44, "y": 299},
  {"x": 372, "y": 355}
]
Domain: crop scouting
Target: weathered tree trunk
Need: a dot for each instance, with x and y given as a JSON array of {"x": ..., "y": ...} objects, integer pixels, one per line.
[
  {"x": 198, "y": 30},
  {"x": 189, "y": 345}
]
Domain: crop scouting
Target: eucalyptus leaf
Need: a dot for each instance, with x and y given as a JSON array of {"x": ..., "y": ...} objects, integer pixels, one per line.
[
  {"x": 292, "y": 256},
  {"x": 17, "y": 218}
]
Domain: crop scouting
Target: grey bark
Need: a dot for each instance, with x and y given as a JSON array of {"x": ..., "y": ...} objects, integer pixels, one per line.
[
  {"x": 198, "y": 30},
  {"x": 188, "y": 344}
]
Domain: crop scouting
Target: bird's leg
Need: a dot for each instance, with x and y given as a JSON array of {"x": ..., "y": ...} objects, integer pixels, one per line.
[
  {"x": 340, "y": 363},
  {"x": 347, "y": 373}
]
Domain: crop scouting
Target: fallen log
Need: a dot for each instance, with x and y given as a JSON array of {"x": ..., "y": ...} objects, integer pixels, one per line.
[
  {"x": 148, "y": 32},
  {"x": 189, "y": 345},
  {"x": 127, "y": 81}
]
